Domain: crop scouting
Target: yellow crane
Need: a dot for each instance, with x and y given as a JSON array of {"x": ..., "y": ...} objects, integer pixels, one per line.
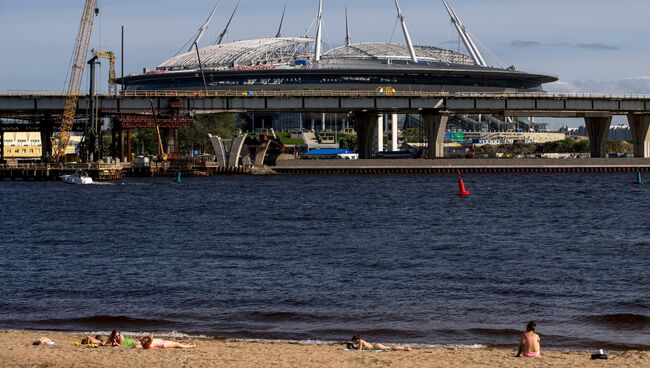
[
  {"x": 76, "y": 76},
  {"x": 112, "y": 78}
]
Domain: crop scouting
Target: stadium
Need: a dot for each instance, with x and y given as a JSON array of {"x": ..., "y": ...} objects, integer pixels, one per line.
[{"x": 297, "y": 63}]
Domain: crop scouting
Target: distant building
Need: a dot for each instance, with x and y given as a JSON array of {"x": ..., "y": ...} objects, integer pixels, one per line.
[
  {"x": 22, "y": 145},
  {"x": 616, "y": 133}
]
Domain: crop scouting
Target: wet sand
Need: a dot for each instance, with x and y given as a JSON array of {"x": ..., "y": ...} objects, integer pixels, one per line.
[{"x": 16, "y": 350}]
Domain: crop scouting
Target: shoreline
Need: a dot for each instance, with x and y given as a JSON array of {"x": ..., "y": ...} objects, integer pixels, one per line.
[
  {"x": 200, "y": 336},
  {"x": 16, "y": 349}
]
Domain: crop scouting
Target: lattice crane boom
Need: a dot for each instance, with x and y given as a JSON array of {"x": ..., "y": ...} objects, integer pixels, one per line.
[{"x": 76, "y": 76}]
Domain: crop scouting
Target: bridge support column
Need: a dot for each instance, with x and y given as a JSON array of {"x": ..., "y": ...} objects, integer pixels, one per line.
[
  {"x": 129, "y": 155},
  {"x": 365, "y": 124},
  {"x": 598, "y": 129},
  {"x": 640, "y": 128},
  {"x": 435, "y": 125},
  {"x": 170, "y": 142},
  {"x": 393, "y": 133},
  {"x": 2, "y": 146},
  {"x": 380, "y": 133},
  {"x": 47, "y": 130}
]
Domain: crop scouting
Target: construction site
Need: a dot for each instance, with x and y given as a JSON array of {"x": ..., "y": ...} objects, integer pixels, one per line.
[{"x": 371, "y": 91}]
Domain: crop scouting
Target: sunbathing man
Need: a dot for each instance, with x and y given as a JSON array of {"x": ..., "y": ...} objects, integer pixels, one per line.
[
  {"x": 361, "y": 344},
  {"x": 89, "y": 340},
  {"x": 530, "y": 342},
  {"x": 149, "y": 342}
]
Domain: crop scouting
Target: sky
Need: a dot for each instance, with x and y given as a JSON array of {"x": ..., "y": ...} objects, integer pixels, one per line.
[{"x": 596, "y": 46}]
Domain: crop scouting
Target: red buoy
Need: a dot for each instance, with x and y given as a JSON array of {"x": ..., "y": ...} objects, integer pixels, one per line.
[{"x": 462, "y": 191}]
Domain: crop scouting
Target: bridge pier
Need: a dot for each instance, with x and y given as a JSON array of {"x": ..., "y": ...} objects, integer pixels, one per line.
[
  {"x": 435, "y": 125},
  {"x": 380, "y": 133},
  {"x": 2, "y": 145},
  {"x": 393, "y": 133},
  {"x": 365, "y": 124},
  {"x": 640, "y": 128},
  {"x": 47, "y": 131},
  {"x": 598, "y": 130},
  {"x": 170, "y": 142}
]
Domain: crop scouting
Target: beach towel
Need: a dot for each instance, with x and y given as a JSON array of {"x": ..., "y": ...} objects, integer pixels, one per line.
[{"x": 86, "y": 345}]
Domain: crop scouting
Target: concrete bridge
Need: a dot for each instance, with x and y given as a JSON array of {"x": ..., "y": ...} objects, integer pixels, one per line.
[{"x": 366, "y": 107}]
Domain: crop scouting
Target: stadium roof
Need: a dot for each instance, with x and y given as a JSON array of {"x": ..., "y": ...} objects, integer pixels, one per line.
[
  {"x": 286, "y": 50},
  {"x": 256, "y": 52},
  {"x": 391, "y": 51}
]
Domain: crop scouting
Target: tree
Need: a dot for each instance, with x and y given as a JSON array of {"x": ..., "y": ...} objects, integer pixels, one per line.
[{"x": 195, "y": 137}]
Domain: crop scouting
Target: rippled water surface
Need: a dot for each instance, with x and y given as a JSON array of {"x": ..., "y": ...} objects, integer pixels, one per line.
[{"x": 396, "y": 258}]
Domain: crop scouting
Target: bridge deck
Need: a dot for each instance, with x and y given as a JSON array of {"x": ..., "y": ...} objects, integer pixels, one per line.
[{"x": 510, "y": 104}]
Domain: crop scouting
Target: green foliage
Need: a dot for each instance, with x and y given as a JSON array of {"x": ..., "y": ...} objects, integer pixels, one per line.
[
  {"x": 348, "y": 141},
  {"x": 619, "y": 147},
  {"x": 569, "y": 145},
  {"x": 413, "y": 135},
  {"x": 285, "y": 138},
  {"x": 196, "y": 136}
]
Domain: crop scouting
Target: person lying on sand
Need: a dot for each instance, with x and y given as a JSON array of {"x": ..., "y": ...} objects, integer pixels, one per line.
[
  {"x": 361, "y": 344},
  {"x": 89, "y": 340},
  {"x": 149, "y": 342},
  {"x": 43, "y": 341},
  {"x": 530, "y": 344}
]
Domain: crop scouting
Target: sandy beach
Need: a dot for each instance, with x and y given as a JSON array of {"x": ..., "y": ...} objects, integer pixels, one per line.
[{"x": 16, "y": 350}]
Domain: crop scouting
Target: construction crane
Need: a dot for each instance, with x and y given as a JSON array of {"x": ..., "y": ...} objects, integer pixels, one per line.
[
  {"x": 76, "y": 76},
  {"x": 112, "y": 78}
]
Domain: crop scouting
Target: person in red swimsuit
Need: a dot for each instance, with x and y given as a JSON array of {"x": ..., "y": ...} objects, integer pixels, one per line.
[
  {"x": 530, "y": 345},
  {"x": 149, "y": 342}
]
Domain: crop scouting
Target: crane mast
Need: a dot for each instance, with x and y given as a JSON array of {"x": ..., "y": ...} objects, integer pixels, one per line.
[{"x": 76, "y": 76}]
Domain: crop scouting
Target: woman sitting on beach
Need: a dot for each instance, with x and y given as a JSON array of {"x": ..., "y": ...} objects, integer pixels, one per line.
[
  {"x": 530, "y": 344},
  {"x": 361, "y": 344},
  {"x": 117, "y": 340},
  {"x": 149, "y": 342}
]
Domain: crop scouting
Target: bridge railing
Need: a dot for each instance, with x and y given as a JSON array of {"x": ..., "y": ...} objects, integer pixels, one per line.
[{"x": 333, "y": 93}]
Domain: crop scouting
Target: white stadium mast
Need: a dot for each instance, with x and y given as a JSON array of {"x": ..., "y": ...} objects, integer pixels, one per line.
[
  {"x": 407, "y": 36},
  {"x": 279, "y": 34},
  {"x": 319, "y": 33},
  {"x": 465, "y": 36},
  {"x": 348, "y": 38},
  {"x": 204, "y": 27},
  {"x": 225, "y": 31}
]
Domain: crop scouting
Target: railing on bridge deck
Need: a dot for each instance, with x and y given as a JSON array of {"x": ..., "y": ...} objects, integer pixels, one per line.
[{"x": 335, "y": 93}]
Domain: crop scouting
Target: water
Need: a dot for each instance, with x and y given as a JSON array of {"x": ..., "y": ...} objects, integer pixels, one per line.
[{"x": 395, "y": 258}]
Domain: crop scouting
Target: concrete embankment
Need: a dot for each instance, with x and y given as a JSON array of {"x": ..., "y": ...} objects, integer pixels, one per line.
[{"x": 445, "y": 166}]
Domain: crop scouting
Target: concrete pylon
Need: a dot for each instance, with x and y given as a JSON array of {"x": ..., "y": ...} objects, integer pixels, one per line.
[
  {"x": 598, "y": 130},
  {"x": 219, "y": 150},
  {"x": 640, "y": 128},
  {"x": 393, "y": 133},
  {"x": 235, "y": 151},
  {"x": 260, "y": 153},
  {"x": 47, "y": 130},
  {"x": 435, "y": 125},
  {"x": 380, "y": 133},
  {"x": 365, "y": 125}
]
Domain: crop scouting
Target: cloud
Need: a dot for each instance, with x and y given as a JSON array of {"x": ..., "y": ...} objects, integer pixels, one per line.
[
  {"x": 596, "y": 46},
  {"x": 520, "y": 44},
  {"x": 633, "y": 85},
  {"x": 524, "y": 44}
]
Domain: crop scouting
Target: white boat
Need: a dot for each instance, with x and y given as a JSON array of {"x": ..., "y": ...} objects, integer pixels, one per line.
[{"x": 79, "y": 177}]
